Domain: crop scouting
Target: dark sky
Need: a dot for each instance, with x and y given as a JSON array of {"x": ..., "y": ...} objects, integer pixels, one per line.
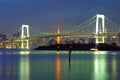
[{"x": 47, "y": 15}]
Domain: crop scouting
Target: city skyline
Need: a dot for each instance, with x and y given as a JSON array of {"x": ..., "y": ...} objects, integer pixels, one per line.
[{"x": 47, "y": 15}]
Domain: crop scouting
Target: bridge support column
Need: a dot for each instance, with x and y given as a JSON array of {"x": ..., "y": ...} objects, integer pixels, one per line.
[
  {"x": 25, "y": 43},
  {"x": 97, "y": 41},
  {"x": 27, "y": 46},
  {"x": 100, "y": 39},
  {"x": 100, "y": 28},
  {"x": 103, "y": 39},
  {"x": 22, "y": 44}
]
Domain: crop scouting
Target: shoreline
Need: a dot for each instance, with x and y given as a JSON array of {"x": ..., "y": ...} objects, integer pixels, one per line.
[{"x": 81, "y": 47}]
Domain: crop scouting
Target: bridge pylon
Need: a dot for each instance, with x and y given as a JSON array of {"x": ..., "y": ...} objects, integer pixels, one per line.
[
  {"x": 24, "y": 34},
  {"x": 100, "y": 28}
]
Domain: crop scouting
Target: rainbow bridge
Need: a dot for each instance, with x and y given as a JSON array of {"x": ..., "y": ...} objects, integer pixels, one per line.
[{"x": 99, "y": 28}]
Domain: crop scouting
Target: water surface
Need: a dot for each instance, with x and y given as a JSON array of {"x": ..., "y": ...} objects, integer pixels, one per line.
[{"x": 52, "y": 65}]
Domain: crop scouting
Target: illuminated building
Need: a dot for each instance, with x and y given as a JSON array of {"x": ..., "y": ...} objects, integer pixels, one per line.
[{"x": 58, "y": 38}]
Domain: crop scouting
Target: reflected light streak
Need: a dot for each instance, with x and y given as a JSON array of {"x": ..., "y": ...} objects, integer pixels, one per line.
[
  {"x": 114, "y": 53},
  {"x": 24, "y": 52},
  {"x": 24, "y": 68},
  {"x": 96, "y": 52},
  {"x": 58, "y": 52},
  {"x": 100, "y": 52},
  {"x": 114, "y": 68},
  {"x": 100, "y": 67},
  {"x": 58, "y": 68}
]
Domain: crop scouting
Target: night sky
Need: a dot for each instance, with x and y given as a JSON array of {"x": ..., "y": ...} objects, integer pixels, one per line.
[{"x": 47, "y": 15}]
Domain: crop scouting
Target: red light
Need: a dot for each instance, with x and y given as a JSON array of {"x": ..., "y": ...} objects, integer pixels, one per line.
[{"x": 70, "y": 46}]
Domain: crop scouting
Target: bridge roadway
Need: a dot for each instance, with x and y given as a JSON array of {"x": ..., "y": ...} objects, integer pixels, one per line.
[{"x": 75, "y": 34}]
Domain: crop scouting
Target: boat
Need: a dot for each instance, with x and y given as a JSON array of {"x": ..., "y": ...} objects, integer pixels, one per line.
[{"x": 94, "y": 49}]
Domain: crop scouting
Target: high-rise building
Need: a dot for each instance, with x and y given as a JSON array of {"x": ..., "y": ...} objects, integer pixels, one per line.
[{"x": 2, "y": 37}]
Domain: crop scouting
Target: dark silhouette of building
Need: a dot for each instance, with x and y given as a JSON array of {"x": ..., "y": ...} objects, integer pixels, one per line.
[{"x": 2, "y": 37}]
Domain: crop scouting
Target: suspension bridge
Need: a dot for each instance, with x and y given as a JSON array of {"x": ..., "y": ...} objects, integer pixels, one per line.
[{"x": 99, "y": 27}]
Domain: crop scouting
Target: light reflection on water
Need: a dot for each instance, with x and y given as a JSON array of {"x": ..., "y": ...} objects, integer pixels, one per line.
[
  {"x": 24, "y": 52},
  {"x": 40, "y": 65},
  {"x": 58, "y": 67},
  {"x": 114, "y": 68},
  {"x": 100, "y": 67},
  {"x": 24, "y": 68}
]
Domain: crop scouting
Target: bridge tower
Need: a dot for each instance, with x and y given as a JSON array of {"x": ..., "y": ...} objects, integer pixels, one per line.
[
  {"x": 100, "y": 28},
  {"x": 58, "y": 38},
  {"x": 24, "y": 34}
]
